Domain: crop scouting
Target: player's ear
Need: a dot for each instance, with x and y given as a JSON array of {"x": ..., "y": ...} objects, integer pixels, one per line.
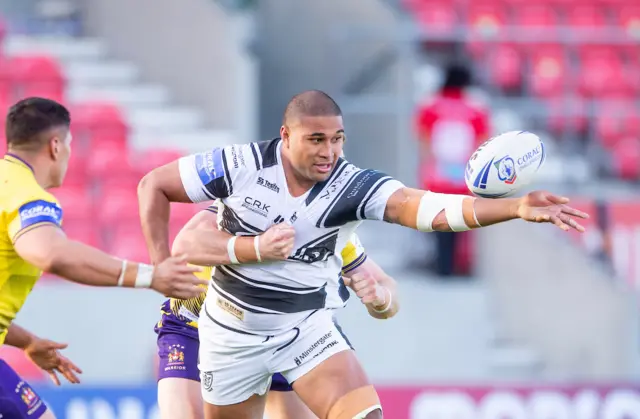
[
  {"x": 54, "y": 147},
  {"x": 284, "y": 134}
]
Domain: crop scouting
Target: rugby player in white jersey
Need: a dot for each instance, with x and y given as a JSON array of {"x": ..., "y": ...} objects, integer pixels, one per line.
[
  {"x": 262, "y": 318},
  {"x": 178, "y": 377}
]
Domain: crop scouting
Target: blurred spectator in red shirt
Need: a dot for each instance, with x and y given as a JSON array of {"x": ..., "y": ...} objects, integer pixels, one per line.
[{"x": 450, "y": 127}]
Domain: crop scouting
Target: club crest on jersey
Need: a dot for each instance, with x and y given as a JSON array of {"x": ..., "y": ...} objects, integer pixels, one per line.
[
  {"x": 40, "y": 212},
  {"x": 506, "y": 170}
]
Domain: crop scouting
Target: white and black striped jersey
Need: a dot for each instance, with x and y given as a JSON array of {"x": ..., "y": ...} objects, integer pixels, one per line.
[{"x": 249, "y": 180}]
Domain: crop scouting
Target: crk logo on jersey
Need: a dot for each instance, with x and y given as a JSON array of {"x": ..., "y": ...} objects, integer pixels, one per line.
[
  {"x": 269, "y": 185},
  {"x": 256, "y": 206}
]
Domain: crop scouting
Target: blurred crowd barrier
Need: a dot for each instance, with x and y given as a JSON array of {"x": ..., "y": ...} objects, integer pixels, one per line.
[{"x": 411, "y": 402}]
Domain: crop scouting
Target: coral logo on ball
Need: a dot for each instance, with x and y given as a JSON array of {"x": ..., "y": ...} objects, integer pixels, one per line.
[{"x": 506, "y": 170}]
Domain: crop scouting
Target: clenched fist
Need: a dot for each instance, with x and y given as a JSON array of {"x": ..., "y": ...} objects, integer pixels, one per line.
[
  {"x": 277, "y": 242},
  {"x": 367, "y": 289}
]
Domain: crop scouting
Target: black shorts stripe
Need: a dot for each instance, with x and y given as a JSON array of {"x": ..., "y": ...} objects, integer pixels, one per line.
[{"x": 278, "y": 301}]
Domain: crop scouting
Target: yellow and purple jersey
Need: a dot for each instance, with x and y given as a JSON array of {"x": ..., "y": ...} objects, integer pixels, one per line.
[
  {"x": 24, "y": 206},
  {"x": 181, "y": 316}
]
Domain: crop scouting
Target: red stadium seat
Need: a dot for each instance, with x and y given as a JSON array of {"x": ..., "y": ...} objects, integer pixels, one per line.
[
  {"x": 36, "y": 75},
  {"x": 147, "y": 160},
  {"x": 567, "y": 115},
  {"x": 117, "y": 205},
  {"x": 586, "y": 16},
  {"x": 505, "y": 66},
  {"x": 77, "y": 171},
  {"x": 100, "y": 123},
  {"x": 548, "y": 72},
  {"x": 85, "y": 232},
  {"x": 602, "y": 74},
  {"x": 108, "y": 161},
  {"x": 3, "y": 144},
  {"x": 436, "y": 17},
  {"x": 181, "y": 213},
  {"x": 535, "y": 21},
  {"x": 626, "y": 155},
  {"x": 628, "y": 18},
  {"x": 129, "y": 244},
  {"x": 486, "y": 21},
  {"x": 76, "y": 203}
]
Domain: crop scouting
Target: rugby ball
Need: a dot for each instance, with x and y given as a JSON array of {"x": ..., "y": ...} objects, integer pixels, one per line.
[{"x": 504, "y": 164}]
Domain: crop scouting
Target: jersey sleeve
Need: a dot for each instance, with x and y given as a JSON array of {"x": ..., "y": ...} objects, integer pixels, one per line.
[
  {"x": 363, "y": 198},
  {"x": 353, "y": 254},
  {"x": 215, "y": 173},
  {"x": 33, "y": 211}
]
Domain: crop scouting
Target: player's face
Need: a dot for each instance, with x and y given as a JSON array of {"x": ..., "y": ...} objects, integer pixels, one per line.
[
  {"x": 60, "y": 146},
  {"x": 314, "y": 145}
]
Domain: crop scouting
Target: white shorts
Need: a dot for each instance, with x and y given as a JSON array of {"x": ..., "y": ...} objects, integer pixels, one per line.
[{"x": 235, "y": 365}]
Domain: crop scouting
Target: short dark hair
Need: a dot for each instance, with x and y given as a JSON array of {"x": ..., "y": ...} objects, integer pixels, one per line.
[
  {"x": 311, "y": 103},
  {"x": 457, "y": 76},
  {"x": 31, "y": 117}
]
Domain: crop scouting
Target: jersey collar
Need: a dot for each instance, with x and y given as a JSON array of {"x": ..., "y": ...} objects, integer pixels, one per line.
[{"x": 17, "y": 160}]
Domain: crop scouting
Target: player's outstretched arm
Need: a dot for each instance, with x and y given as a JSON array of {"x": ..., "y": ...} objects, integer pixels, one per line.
[
  {"x": 428, "y": 211},
  {"x": 375, "y": 288},
  {"x": 208, "y": 246},
  {"x": 44, "y": 353},
  {"x": 47, "y": 247}
]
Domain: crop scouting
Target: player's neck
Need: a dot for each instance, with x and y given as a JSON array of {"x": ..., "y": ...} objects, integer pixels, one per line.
[
  {"x": 296, "y": 184},
  {"x": 32, "y": 161}
]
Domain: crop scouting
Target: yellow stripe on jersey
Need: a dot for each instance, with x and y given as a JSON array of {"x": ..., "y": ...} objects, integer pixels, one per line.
[{"x": 24, "y": 206}]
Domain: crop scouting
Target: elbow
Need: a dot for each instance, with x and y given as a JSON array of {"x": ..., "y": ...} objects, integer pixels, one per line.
[
  {"x": 56, "y": 261},
  {"x": 146, "y": 184}
]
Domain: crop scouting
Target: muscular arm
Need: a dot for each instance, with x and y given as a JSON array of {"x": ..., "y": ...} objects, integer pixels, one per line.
[
  {"x": 402, "y": 208},
  {"x": 369, "y": 267},
  {"x": 49, "y": 249},
  {"x": 19, "y": 337},
  {"x": 156, "y": 191},
  {"x": 205, "y": 245}
]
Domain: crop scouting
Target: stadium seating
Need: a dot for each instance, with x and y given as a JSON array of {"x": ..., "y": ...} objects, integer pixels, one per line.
[
  {"x": 99, "y": 197},
  {"x": 581, "y": 58}
]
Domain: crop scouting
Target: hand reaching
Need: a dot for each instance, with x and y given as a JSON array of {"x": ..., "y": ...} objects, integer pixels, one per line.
[
  {"x": 45, "y": 354},
  {"x": 544, "y": 207},
  {"x": 277, "y": 242}
]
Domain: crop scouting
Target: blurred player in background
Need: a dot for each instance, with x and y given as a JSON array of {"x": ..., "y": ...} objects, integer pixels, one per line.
[
  {"x": 450, "y": 126},
  {"x": 32, "y": 241},
  {"x": 178, "y": 375}
]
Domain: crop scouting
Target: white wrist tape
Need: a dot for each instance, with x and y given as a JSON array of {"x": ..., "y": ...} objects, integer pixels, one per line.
[
  {"x": 387, "y": 306},
  {"x": 144, "y": 276},
  {"x": 122, "y": 272},
  {"x": 231, "y": 250},
  {"x": 256, "y": 246},
  {"x": 431, "y": 204}
]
